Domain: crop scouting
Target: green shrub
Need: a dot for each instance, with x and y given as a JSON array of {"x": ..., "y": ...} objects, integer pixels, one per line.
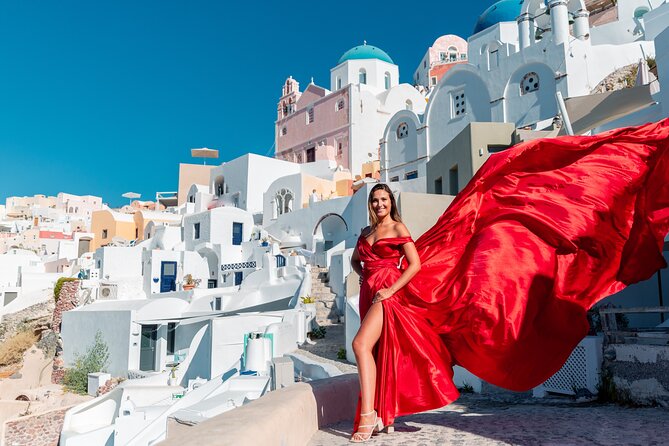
[
  {"x": 59, "y": 284},
  {"x": 94, "y": 360},
  {"x": 341, "y": 354},
  {"x": 12, "y": 350}
]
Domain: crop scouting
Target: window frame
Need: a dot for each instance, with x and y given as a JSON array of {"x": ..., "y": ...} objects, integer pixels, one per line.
[{"x": 237, "y": 237}]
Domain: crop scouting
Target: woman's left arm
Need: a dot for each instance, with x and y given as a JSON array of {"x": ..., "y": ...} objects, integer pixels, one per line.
[{"x": 413, "y": 266}]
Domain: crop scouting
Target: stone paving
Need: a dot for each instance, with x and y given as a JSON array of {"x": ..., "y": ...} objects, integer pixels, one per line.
[{"x": 485, "y": 420}]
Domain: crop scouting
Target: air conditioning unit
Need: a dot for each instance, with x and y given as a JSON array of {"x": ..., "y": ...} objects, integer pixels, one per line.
[
  {"x": 108, "y": 291},
  {"x": 581, "y": 371}
]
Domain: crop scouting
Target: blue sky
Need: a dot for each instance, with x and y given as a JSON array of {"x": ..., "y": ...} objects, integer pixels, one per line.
[{"x": 105, "y": 97}]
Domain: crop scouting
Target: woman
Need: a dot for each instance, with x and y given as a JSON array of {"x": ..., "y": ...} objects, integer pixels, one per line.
[
  {"x": 380, "y": 247},
  {"x": 501, "y": 283}
]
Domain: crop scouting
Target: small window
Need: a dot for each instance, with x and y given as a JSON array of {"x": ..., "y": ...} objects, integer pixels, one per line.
[
  {"x": 105, "y": 233},
  {"x": 340, "y": 105},
  {"x": 340, "y": 148},
  {"x": 459, "y": 104},
  {"x": 196, "y": 231},
  {"x": 338, "y": 83},
  {"x": 310, "y": 115},
  {"x": 463, "y": 56},
  {"x": 402, "y": 130},
  {"x": 392, "y": 179},
  {"x": 362, "y": 76},
  {"x": 136, "y": 232},
  {"x": 217, "y": 304},
  {"x": 433, "y": 80},
  {"x": 284, "y": 130},
  {"x": 299, "y": 158},
  {"x": 438, "y": 186},
  {"x": 239, "y": 276},
  {"x": 453, "y": 180},
  {"x": 425, "y": 64},
  {"x": 386, "y": 80},
  {"x": 171, "y": 337},
  {"x": 237, "y": 233},
  {"x": 443, "y": 57},
  {"x": 411, "y": 175},
  {"x": 493, "y": 61},
  {"x": 529, "y": 83}
]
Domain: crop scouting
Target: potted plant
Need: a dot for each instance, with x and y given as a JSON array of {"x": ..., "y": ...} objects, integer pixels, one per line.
[
  {"x": 190, "y": 283},
  {"x": 309, "y": 304},
  {"x": 172, "y": 380}
]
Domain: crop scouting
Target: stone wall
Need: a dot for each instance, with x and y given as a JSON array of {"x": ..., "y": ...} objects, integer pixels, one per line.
[
  {"x": 637, "y": 374},
  {"x": 28, "y": 318},
  {"x": 36, "y": 430},
  {"x": 66, "y": 302}
]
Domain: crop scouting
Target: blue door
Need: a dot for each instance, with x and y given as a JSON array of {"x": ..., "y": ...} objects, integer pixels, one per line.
[
  {"x": 239, "y": 276},
  {"x": 168, "y": 277},
  {"x": 237, "y": 233}
]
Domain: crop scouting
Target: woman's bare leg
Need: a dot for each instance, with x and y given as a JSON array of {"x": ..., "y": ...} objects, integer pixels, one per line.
[{"x": 363, "y": 343}]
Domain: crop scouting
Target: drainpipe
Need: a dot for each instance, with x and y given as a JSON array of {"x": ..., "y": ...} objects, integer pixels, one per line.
[{"x": 563, "y": 112}]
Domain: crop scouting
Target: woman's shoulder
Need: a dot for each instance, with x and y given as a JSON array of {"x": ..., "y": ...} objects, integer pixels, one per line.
[
  {"x": 401, "y": 230},
  {"x": 364, "y": 232}
]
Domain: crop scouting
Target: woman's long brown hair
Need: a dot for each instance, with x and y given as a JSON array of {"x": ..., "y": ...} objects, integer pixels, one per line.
[{"x": 394, "y": 212}]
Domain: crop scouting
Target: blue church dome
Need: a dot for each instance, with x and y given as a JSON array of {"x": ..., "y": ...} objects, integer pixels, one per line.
[
  {"x": 365, "y": 52},
  {"x": 502, "y": 11}
]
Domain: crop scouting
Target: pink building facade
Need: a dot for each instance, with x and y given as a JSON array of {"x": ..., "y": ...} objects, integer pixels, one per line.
[
  {"x": 345, "y": 124},
  {"x": 313, "y": 125},
  {"x": 445, "y": 53}
]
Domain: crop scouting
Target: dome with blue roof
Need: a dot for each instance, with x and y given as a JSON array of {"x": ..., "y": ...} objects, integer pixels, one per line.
[
  {"x": 365, "y": 52},
  {"x": 502, "y": 11}
]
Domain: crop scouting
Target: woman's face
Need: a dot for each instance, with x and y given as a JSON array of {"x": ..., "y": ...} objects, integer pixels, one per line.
[{"x": 381, "y": 204}]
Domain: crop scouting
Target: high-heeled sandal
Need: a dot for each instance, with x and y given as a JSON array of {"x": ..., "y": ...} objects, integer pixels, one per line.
[{"x": 361, "y": 437}]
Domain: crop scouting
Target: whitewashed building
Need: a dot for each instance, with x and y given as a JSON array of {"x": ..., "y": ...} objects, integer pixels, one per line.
[{"x": 520, "y": 56}]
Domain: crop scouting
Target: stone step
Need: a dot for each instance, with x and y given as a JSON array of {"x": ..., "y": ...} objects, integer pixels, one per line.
[{"x": 324, "y": 296}]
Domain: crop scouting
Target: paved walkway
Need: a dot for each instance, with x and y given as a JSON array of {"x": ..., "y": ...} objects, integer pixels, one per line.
[{"x": 484, "y": 420}]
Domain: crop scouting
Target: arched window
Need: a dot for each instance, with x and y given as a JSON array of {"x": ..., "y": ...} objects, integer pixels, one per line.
[
  {"x": 362, "y": 76},
  {"x": 529, "y": 83},
  {"x": 283, "y": 201},
  {"x": 299, "y": 158},
  {"x": 71, "y": 210},
  {"x": 76, "y": 210},
  {"x": 640, "y": 12},
  {"x": 452, "y": 54},
  {"x": 386, "y": 80},
  {"x": 284, "y": 131},
  {"x": 340, "y": 105},
  {"x": 219, "y": 186},
  {"x": 408, "y": 104},
  {"x": 402, "y": 130}
]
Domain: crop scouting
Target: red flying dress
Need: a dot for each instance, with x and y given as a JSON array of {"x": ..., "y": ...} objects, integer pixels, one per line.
[{"x": 541, "y": 233}]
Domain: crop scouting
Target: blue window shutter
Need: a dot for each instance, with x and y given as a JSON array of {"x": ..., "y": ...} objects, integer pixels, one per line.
[{"x": 237, "y": 230}]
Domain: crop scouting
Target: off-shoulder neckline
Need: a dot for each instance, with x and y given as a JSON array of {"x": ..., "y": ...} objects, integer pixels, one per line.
[{"x": 384, "y": 238}]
